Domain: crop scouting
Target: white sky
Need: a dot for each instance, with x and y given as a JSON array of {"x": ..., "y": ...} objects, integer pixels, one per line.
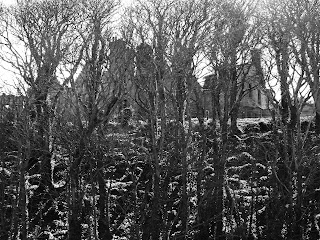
[{"x": 7, "y": 2}]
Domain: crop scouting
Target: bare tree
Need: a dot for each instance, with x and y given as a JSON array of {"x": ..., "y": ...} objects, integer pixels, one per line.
[
  {"x": 95, "y": 94},
  {"x": 170, "y": 34},
  {"x": 188, "y": 35},
  {"x": 15, "y": 147},
  {"x": 295, "y": 36},
  {"x": 37, "y": 37},
  {"x": 233, "y": 35},
  {"x": 45, "y": 41},
  {"x": 148, "y": 24},
  {"x": 287, "y": 69},
  {"x": 304, "y": 19}
]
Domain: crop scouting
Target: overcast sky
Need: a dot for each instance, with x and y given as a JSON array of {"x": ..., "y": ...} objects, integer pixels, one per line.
[{"x": 7, "y": 2}]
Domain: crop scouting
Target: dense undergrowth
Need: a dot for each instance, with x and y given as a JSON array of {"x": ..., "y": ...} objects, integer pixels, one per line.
[{"x": 270, "y": 185}]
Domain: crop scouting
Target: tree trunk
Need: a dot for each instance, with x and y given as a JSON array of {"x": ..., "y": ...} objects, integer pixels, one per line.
[
  {"x": 181, "y": 98},
  {"x": 298, "y": 223},
  {"x": 156, "y": 214},
  {"x": 219, "y": 234},
  {"x": 214, "y": 102},
  {"x": 234, "y": 92},
  {"x": 317, "y": 117},
  {"x": 233, "y": 118},
  {"x": 103, "y": 222},
  {"x": 199, "y": 108},
  {"x": 40, "y": 203},
  {"x": 162, "y": 108},
  {"x": 155, "y": 208},
  {"x": 202, "y": 216},
  {"x": 282, "y": 59},
  {"x": 14, "y": 229},
  {"x": 293, "y": 117},
  {"x": 75, "y": 229},
  {"x": 23, "y": 201},
  {"x": 184, "y": 197},
  {"x": 220, "y": 169}
]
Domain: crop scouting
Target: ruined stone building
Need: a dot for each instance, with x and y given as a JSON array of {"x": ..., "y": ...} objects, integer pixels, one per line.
[
  {"x": 99, "y": 83},
  {"x": 11, "y": 104},
  {"x": 252, "y": 93}
]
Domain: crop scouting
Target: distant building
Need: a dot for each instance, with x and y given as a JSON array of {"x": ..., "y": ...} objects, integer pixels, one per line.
[
  {"x": 133, "y": 69},
  {"x": 116, "y": 75},
  {"x": 147, "y": 70},
  {"x": 308, "y": 110},
  {"x": 254, "y": 100},
  {"x": 11, "y": 103}
]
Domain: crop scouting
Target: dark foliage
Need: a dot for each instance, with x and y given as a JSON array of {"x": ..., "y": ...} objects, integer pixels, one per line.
[{"x": 258, "y": 191}]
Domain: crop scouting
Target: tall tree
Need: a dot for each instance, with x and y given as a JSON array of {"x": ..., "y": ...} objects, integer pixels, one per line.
[
  {"x": 170, "y": 34},
  {"x": 37, "y": 36},
  {"x": 291, "y": 76},
  {"x": 95, "y": 94},
  {"x": 234, "y": 34},
  {"x": 148, "y": 23},
  {"x": 304, "y": 19}
]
